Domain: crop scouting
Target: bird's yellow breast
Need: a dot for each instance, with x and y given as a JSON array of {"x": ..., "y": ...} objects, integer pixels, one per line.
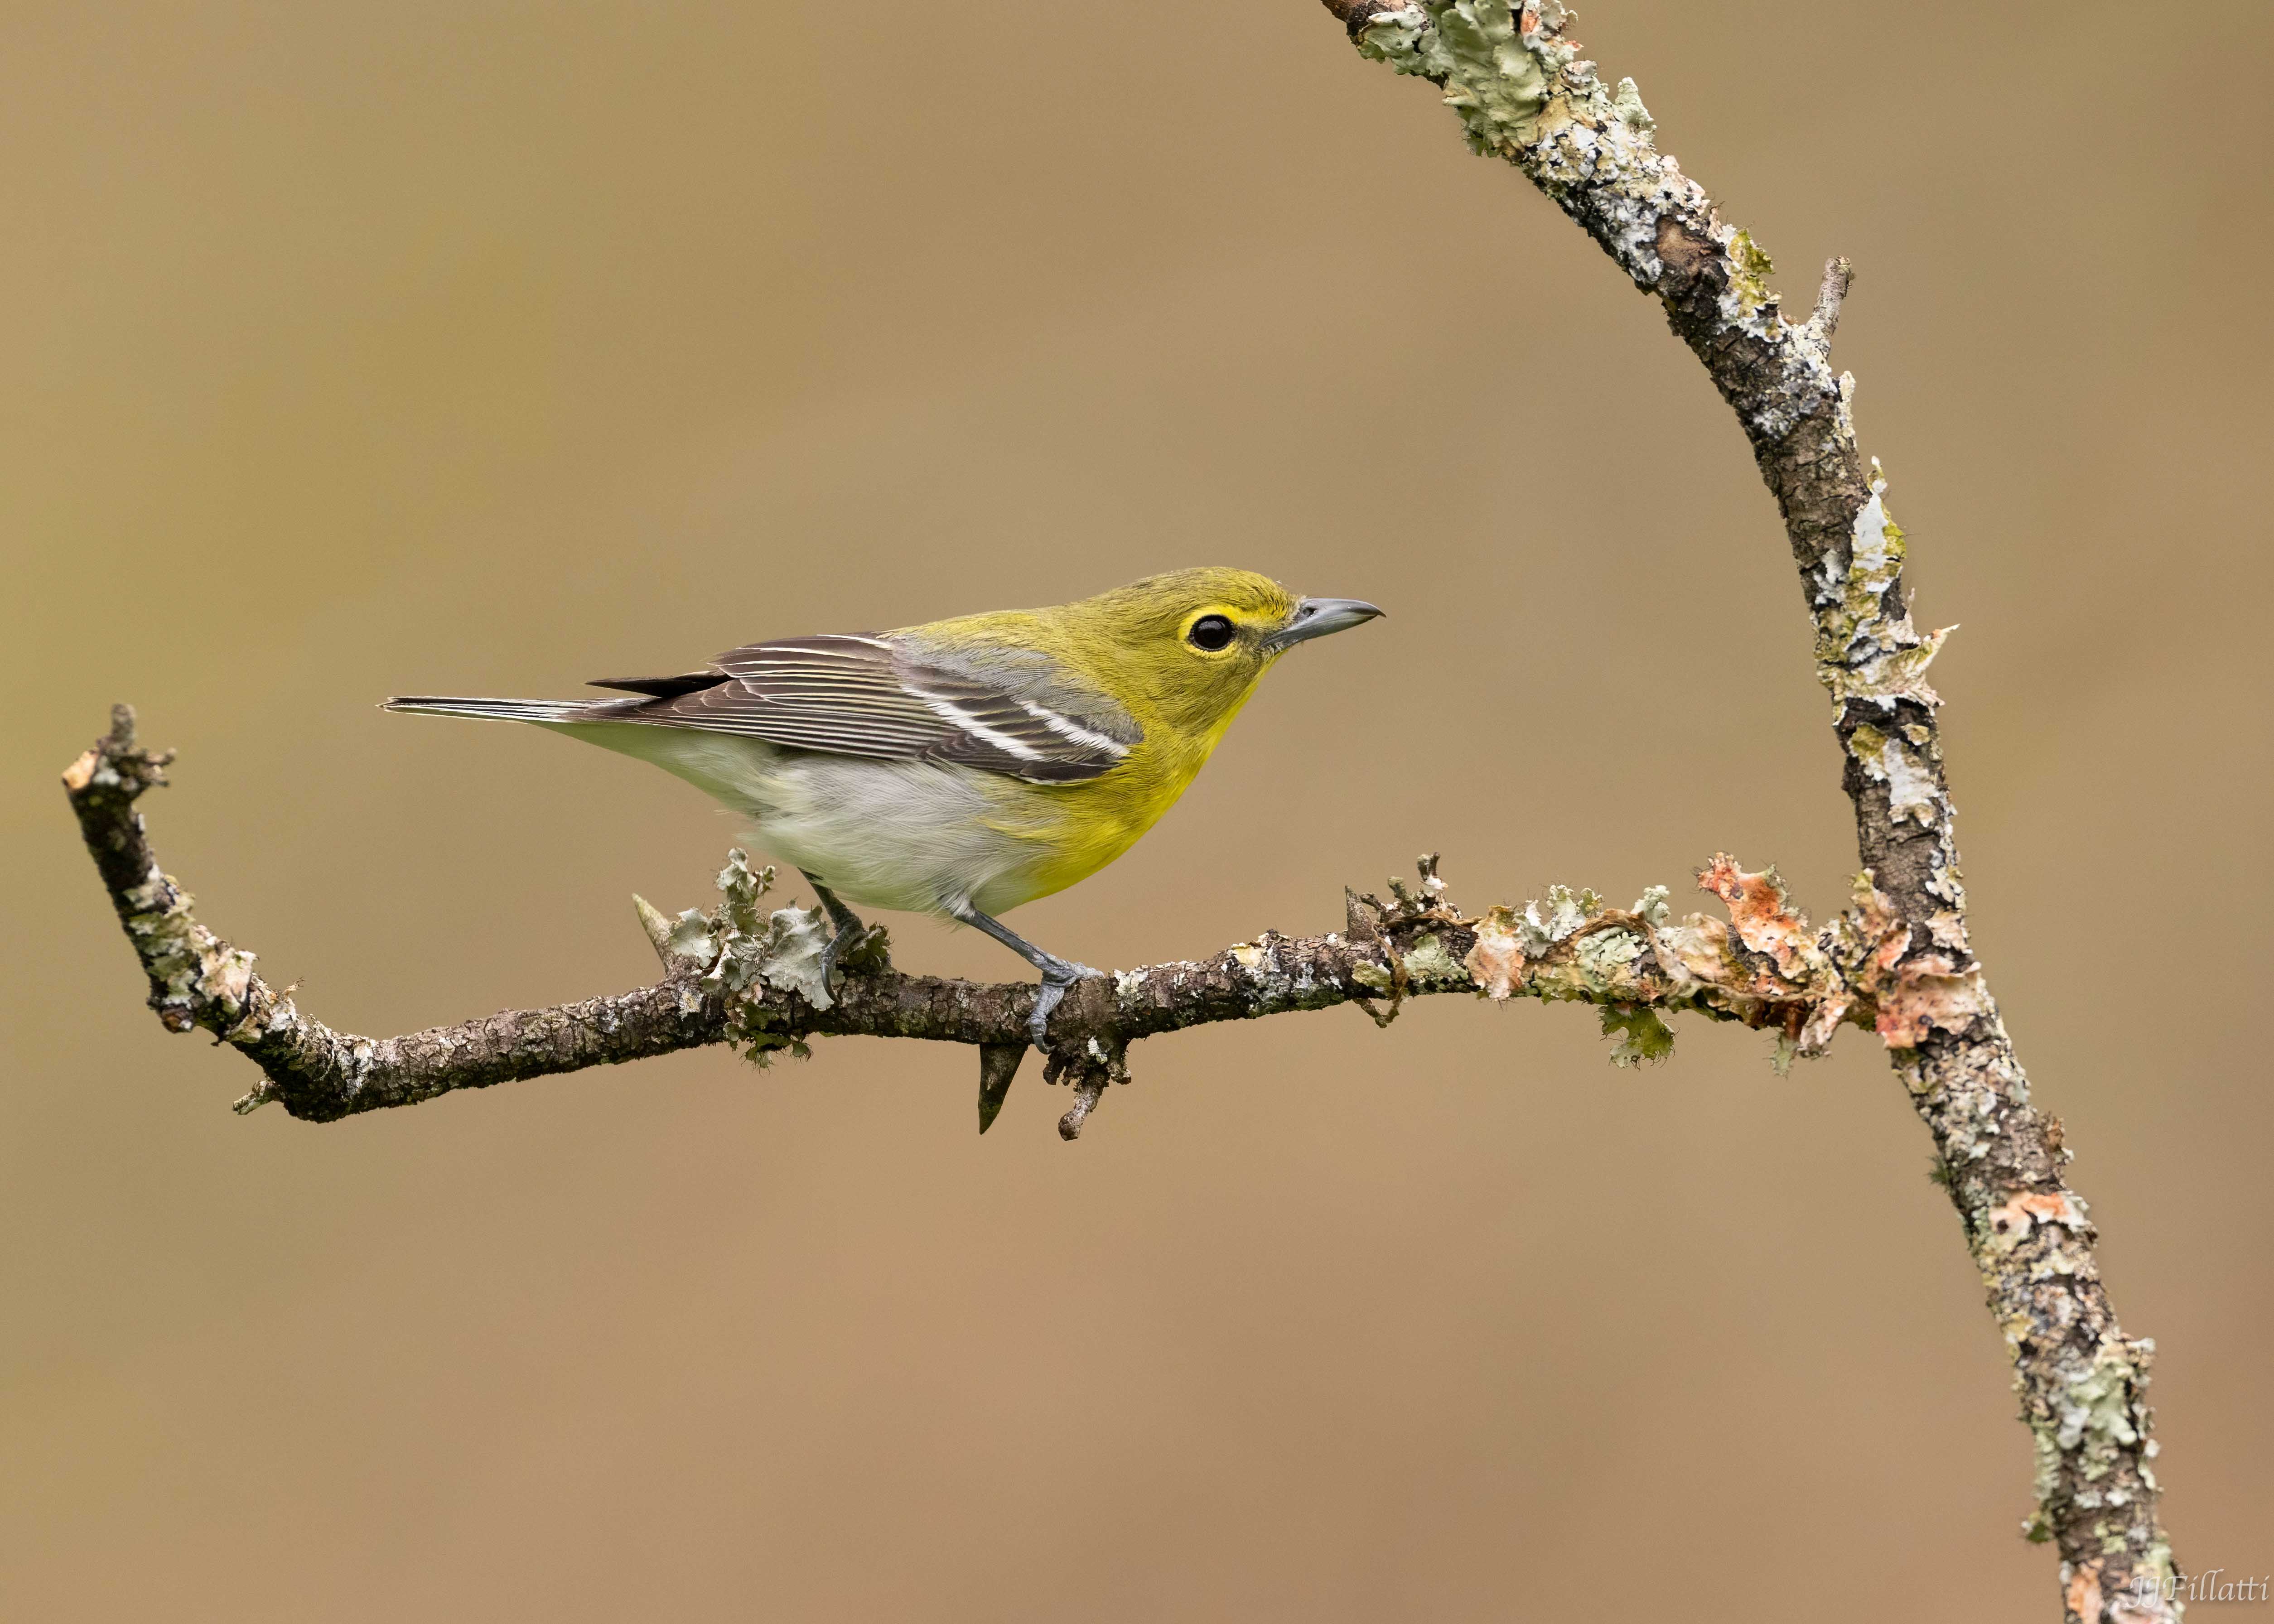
[{"x": 1074, "y": 830}]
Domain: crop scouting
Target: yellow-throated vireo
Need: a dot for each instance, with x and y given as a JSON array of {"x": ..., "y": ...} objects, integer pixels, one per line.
[{"x": 965, "y": 766}]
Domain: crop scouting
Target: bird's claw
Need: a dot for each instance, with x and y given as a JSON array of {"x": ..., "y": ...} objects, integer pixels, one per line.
[
  {"x": 1058, "y": 975},
  {"x": 844, "y": 942}
]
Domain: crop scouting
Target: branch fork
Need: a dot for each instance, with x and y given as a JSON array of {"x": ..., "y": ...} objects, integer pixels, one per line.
[{"x": 1898, "y": 959}]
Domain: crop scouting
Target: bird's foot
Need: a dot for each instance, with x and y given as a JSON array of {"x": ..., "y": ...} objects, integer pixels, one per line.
[
  {"x": 1058, "y": 975},
  {"x": 847, "y": 939},
  {"x": 851, "y": 935}
]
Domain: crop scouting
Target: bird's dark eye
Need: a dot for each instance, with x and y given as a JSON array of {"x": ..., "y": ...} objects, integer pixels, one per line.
[{"x": 1210, "y": 632}]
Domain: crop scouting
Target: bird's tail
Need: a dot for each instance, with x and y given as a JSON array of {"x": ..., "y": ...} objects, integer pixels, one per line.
[{"x": 497, "y": 710}]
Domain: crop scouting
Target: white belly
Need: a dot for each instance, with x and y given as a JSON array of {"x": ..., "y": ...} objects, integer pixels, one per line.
[{"x": 912, "y": 836}]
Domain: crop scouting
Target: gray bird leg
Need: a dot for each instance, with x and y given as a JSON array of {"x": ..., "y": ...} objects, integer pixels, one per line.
[
  {"x": 1057, "y": 973},
  {"x": 849, "y": 928}
]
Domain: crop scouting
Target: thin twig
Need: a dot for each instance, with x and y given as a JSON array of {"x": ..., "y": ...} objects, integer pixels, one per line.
[{"x": 1839, "y": 276}]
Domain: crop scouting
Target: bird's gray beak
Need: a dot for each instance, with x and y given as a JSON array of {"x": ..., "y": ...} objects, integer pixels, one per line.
[{"x": 1315, "y": 616}]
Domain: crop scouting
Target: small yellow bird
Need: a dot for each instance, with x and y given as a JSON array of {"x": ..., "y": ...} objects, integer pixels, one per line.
[{"x": 962, "y": 767}]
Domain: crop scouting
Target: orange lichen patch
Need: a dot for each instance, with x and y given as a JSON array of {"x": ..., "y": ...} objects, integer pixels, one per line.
[
  {"x": 2012, "y": 1222},
  {"x": 1496, "y": 962},
  {"x": 2083, "y": 1596},
  {"x": 1763, "y": 914},
  {"x": 1910, "y": 996},
  {"x": 1929, "y": 991}
]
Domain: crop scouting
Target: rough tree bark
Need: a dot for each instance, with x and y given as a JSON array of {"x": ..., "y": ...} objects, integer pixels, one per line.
[
  {"x": 1523, "y": 93},
  {"x": 1897, "y": 961},
  {"x": 745, "y": 976}
]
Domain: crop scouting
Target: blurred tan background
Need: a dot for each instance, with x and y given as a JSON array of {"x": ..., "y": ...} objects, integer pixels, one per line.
[{"x": 365, "y": 349}]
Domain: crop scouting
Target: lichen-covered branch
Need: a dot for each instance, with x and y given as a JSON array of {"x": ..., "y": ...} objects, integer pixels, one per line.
[
  {"x": 1523, "y": 93},
  {"x": 745, "y": 974}
]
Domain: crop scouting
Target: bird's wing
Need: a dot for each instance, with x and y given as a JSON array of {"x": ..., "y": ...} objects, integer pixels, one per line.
[{"x": 875, "y": 696}]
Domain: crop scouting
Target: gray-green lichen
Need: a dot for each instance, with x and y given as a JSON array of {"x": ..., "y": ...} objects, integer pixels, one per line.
[
  {"x": 1428, "y": 964},
  {"x": 2090, "y": 1433},
  {"x": 1912, "y": 792},
  {"x": 1497, "y": 87},
  {"x": 1523, "y": 93},
  {"x": 1626, "y": 102},
  {"x": 1642, "y": 1033},
  {"x": 187, "y": 965},
  {"x": 1864, "y": 651},
  {"x": 740, "y": 950}
]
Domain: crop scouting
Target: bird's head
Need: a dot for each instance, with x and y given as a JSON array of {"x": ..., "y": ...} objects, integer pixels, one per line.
[{"x": 1191, "y": 645}]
